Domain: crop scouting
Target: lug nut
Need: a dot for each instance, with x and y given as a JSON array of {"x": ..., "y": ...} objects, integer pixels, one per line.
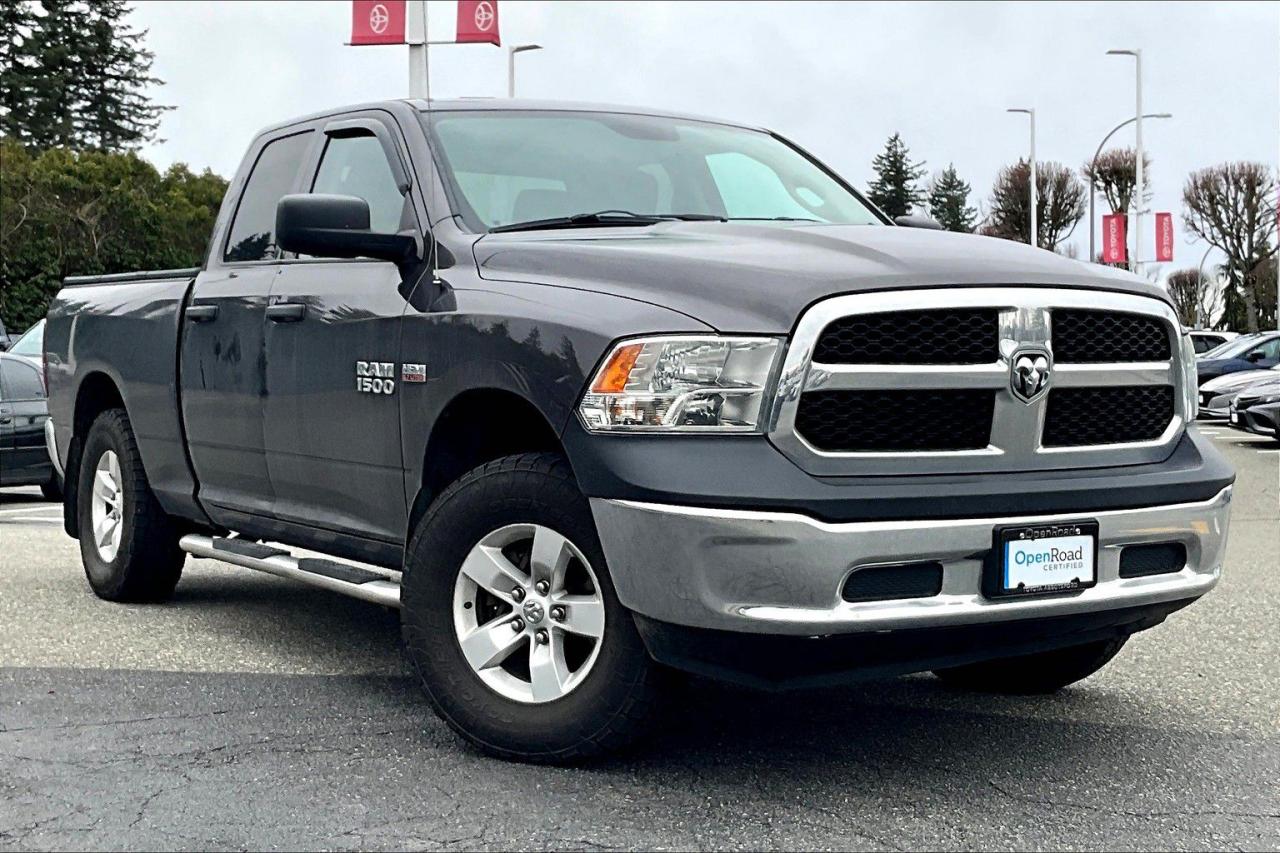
[
  {"x": 542, "y": 587},
  {"x": 541, "y": 636},
  {"x": 557, "y": 613},
  {"x": 517, "y": 625},
  {"x": 517, "y": 594}
]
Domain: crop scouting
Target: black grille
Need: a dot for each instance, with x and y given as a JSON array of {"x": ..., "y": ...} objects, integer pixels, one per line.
[
  {"x": 886, "y": 583},
  {"x": 1106, "y": 336},
  {"x": 911, "y": 337},
  {"x": 1137, "y": 561},
  {"x": 866, "y": 421},
  {"x": 1083, "y": 416}
]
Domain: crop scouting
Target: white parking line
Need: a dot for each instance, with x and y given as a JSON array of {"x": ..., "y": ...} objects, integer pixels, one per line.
[{"x": 30, "y": 509}]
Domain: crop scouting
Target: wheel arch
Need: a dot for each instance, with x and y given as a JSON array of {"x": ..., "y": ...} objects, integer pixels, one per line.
[
  {"x": 96, "y": 393},
  {"x": 477, "y": 426}
]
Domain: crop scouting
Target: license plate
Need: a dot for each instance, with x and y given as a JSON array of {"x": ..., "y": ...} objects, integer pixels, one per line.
[
  {"x": 1235, "y": 417},
  {"x": 1042, "y": 559}
]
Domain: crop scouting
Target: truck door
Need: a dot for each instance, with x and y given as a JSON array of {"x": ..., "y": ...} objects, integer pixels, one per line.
[
  {"x": 223, "y": 369},
  {"x": 332, "y": 411}
]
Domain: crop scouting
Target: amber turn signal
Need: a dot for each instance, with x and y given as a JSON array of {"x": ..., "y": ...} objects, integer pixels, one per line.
[{"x": 613, "y": 379}]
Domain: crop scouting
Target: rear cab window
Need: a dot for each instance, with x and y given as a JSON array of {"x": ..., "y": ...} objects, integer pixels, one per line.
[{"x": 252, "y": 236}]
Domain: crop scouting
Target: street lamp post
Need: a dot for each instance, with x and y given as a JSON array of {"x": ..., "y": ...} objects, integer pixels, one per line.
[
  {"x": 512, "y": 50},
  {"x": 1035, "y": 196},
  {"x": 1199, "y": 284},
  {"x": 1093, "y": 168},
  {"x": 1137, "y": 207}
]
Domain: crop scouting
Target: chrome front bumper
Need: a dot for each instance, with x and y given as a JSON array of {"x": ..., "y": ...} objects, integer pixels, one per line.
[{"x": 782, "y": 573}]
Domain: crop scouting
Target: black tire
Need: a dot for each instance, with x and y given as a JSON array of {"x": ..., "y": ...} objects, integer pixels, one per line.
[
  {"x": 148, "y": 562},
  {"x": 604, "y": 713},
  {"x": 52, "y": 488},
  {"x": 1038, "y": 674}
]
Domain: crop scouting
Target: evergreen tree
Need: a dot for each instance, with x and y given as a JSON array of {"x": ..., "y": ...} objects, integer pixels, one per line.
[
  {"x": 17, "y": 71},
  {"x": 74, "y": 74},
  {"x": 949, "y": 201},
  {"x": 119, "y": 116},
  {"x": 895, "y": 189}
]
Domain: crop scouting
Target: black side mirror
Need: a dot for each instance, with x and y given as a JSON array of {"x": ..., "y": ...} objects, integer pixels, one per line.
[
  {"x": 337, "y": 226},
  {"x": 918, "y": 220},
  {"x": 1255, "y": 356}
]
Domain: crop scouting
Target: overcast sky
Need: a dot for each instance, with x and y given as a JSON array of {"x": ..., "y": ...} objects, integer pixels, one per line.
[{"x": 836, "y": 77}]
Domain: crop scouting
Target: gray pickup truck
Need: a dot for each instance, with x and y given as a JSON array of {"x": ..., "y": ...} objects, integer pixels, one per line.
[{"x": 593, "y": 394}]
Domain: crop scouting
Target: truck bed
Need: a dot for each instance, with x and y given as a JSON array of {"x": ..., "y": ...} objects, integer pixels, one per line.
[{"x": 125, "y": 328}]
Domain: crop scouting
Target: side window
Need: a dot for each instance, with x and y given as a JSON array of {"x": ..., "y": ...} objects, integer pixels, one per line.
[
  {"x": 21, "y": 381},
  {"x": 253, "y": 236},
  {"x": 356, "y": 165},
  {"x": 1270, "y": 351}
]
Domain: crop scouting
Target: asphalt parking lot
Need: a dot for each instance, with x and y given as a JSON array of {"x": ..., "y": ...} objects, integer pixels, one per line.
[{"x": 253, "y": 713}]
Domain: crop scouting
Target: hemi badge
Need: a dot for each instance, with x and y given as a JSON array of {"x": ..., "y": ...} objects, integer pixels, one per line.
[{"x": 413, "y": 372}]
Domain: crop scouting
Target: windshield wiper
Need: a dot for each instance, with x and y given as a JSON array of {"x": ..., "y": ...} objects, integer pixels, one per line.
[
  {"x": 772, "y": 219},
  {"x": 608, "y": 218}
]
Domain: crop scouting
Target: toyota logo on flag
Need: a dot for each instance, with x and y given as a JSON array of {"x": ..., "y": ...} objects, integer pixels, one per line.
[
  {"x": 478, "y": 21},
  {"x": 378, "y": 22}
]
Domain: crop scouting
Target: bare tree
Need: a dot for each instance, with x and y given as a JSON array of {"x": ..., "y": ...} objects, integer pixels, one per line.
[
  {"x": 1060, "y": 208},
  {"x": 1113, "y": 173},
  {"x": 1195, "y": 296},
  {"x": 1232, "y": 206}
]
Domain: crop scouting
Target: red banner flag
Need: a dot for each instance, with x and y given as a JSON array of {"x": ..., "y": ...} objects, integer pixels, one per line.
[
  {"x": 1114, "y": 250},
  {"x": 377, "y": 21},
  {"x": 478, "y": 21},
  {"x": 1164, "y": 236}
]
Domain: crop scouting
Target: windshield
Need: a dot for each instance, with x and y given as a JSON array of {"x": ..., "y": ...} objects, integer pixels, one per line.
[
  {"x": 509, "y": 167},
  {"x": 31, "y": 344}
]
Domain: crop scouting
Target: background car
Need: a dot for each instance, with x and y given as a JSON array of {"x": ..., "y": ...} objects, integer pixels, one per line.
[
  {"x": 1204, "y": 340},
  {"x": 1216, "y": 394},
  {"x": 1247, "y": 352},
  {"x": 1257, "y": 409},
  {"x": 24, "y": 457},
  {"x": 30, "y": 344}
]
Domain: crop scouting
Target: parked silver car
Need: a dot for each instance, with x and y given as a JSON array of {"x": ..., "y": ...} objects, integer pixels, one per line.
[{"x": 1216, "y": 394}]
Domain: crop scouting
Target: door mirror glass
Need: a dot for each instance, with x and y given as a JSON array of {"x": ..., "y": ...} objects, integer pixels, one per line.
[{"x": 337, "y": 226}]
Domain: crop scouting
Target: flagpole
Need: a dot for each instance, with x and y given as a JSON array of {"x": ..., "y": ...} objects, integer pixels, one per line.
[{"x": 419, "y": 58}]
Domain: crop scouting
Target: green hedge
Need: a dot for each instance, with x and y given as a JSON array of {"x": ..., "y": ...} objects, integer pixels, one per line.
[{"x": 68, "y": 212}]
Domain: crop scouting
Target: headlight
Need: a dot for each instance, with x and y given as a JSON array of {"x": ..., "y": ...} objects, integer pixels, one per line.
[
  {"x": 1267, "y": 398},
  {"x": 1190, "y": 379},
  {"x": 682, "y": 384}
]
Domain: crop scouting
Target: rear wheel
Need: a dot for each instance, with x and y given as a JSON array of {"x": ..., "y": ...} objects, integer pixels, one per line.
[
  {"x": 128, "y": 545},
  {"x": 1045, "y": 672},
  {"x": 511, "y": 620}
]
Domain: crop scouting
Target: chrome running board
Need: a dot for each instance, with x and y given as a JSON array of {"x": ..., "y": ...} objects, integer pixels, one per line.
[{"x": 366, "y": 584}]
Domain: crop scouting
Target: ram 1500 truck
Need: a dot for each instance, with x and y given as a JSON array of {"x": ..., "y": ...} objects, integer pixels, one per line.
[{"x": 593, "y": 394}]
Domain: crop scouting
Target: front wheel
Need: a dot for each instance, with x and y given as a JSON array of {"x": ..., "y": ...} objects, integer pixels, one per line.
[
  {"x": 1044, "y": 672},
  {"x": 511, "y": 620}
]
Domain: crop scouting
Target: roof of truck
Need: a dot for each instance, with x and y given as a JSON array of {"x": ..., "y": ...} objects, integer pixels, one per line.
[{"x": 502, "y": 104}]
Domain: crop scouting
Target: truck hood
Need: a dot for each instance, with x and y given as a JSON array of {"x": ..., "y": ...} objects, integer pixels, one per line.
[{"x": 740, "y": 277}]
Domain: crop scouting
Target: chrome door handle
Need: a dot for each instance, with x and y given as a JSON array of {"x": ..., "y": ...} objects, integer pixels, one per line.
[
  {"x": 286, "y": 312},
  {"x": 202, "y": 313}
]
